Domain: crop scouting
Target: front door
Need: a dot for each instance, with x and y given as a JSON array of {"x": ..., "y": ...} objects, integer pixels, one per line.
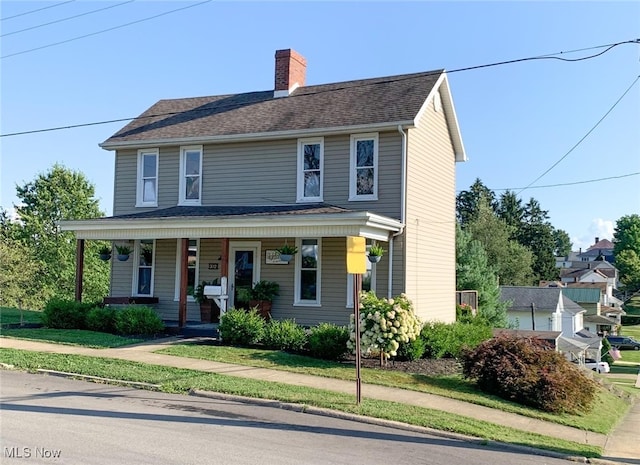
[{"x": 244, "y": 270}]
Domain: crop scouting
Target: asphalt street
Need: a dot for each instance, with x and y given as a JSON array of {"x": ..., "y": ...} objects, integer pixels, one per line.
[{"x": 47, "y": 419}]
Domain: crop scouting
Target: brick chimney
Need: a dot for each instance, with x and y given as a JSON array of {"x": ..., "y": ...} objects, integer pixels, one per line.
[{"x": 291, "y": 70}]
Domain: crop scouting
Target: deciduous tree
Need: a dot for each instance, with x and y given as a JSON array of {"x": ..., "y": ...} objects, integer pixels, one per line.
[{"x": 626, "y": 249}]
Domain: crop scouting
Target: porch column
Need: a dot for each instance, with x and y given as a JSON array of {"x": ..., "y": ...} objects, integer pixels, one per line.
[
  {"x": 79, "y": 268},
  {"x": 184, "y": 264},
  {"x": 224, "y": 258}
]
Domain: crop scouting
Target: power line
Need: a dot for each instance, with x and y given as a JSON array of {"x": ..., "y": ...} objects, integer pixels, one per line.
[
  {"x": 66, "y": 19},
  {"x": 104, "y": 30},
  {"x": 39, "y": 9},
  {"x": 582, "y": 139},
  {"x": 73, "y": 126},
  {"x": 571, "y": 183}
]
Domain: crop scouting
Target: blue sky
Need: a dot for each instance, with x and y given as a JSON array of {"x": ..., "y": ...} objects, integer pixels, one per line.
[{"x": 516, "y": 120}]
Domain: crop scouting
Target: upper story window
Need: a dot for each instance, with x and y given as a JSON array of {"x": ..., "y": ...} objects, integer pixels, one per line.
[
  {"x": 363, "y": 173},
  {"x": 147, "y": 185},
  {"x": 191, "y": 175},
  {"x": 310, "y": 164}
]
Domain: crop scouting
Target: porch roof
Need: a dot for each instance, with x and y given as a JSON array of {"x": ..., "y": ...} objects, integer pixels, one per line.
[{"x": 237, "y": 221}]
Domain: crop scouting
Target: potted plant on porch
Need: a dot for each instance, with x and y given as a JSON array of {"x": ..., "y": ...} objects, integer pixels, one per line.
[
  {"x": 261, "y": 297},
  {"x": 123, "y": 252},
  {"x": 287, "y": 252},
  {"x": 206, "y": 304},
  {"x": 375, "y": 253},
  {"x": 104, "y": 252}
]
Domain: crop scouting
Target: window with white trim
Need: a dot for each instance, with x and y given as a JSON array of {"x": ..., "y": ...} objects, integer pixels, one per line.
[
  {"x": 147, "y": 186},
  {"x": 193, "y": 261},
  {"x": 191, "y": 175},
  {"x": 310, "y": 165},
  {"x": 363, "y": 172},
  {"x": 368, "y": 281},
  {"x": 143, "y": 273},
  {"x": 307, "y": 285}
]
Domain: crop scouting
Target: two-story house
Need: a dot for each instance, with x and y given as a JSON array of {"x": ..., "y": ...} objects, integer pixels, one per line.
[{"x": 211, "y": 187}]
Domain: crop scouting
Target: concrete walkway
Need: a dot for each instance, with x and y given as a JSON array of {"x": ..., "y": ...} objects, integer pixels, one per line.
[{"x": 623, "y": 445}]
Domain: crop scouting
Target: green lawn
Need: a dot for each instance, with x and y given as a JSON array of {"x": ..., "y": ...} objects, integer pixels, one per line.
[
  {"x": 632, "y": 331},
  {"x": 71, "y": 337},
  {"x": 181, "y": 381},
  {"x": 10, "y": 316},
  {"x": 448, "y": 386}
]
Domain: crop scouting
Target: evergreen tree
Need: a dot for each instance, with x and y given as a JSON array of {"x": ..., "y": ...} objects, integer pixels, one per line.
[
  {"x": 473, "y": 272},
  {"x": 468, "y": 202}
]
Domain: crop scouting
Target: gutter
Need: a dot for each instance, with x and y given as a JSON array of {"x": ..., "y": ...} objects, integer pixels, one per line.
[{"x": 403, "y": 209}]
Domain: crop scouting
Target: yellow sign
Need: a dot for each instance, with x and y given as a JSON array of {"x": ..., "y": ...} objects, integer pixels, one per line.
[{"x": 356, "y": 255}]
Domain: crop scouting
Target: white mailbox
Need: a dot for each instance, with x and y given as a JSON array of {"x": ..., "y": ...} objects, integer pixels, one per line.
[{"x": 218, "y": 294}]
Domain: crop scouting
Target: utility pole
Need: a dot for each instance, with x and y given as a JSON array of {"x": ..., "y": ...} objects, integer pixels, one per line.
[{"x": 533, "y": 316}]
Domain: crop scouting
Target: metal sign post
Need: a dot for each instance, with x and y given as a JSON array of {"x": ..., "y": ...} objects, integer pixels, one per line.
[
  {"x": 356, "y": 265},
  {"x": 357, "y": 287}
]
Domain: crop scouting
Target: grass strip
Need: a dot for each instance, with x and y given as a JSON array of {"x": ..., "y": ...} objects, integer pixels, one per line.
[
  {"x": 13, "y": 316},
  {"x": 77, "y": 337},
  {"x": 178, "y": 380},
  {"x": 603, "y": 417}
]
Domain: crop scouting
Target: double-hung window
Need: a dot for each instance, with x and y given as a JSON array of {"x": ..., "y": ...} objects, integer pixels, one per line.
[
  {"x": 307, "y": 285},
  {"x": 191, "y": 175},
  {"x": 147, "y": 185},
  {"x": 363, "y": 172},
  {"x": 143, "y": 273},
  {"x": 310, "y": 165},
  {"x": 192, "y": 267}
]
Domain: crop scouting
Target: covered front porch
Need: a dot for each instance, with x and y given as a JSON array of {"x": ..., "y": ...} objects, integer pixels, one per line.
[{"x": 173, "y": 250}]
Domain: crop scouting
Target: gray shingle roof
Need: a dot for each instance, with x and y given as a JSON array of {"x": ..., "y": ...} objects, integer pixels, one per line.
[
  {"x": 364, "y": 102},
  {"x": 521, "y": 297},
  {"x": 234, "y": 210}
]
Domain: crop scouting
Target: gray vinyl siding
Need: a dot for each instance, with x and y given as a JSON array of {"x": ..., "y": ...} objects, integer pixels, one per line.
[
  {"x": 430, "y": 232},
  {"x": 261, "y": 173}
]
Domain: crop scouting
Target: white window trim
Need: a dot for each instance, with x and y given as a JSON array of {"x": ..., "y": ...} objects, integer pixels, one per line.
[
  {"x": 139, "y": 179},
  {"x": 350, "y": 281},
  {"x": 136, "y": 266},
  {"x": 300, "y": 192},
  {"x": 182, "y": 200},
  {"x": 353, "y": 185},
  {"x": 297, "y": 284},
  {"x": 176, "y": 296}
]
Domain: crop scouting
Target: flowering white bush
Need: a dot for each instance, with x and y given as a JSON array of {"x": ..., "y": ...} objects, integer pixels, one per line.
[{"x": 384, "y": 324}]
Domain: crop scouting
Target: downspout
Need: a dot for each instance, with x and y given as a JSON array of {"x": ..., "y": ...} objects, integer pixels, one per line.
[{"x": 403, "y": 209}]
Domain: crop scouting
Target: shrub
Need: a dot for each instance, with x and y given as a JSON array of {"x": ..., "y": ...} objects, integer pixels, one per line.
[
  {"x": 285, "y": 335},
  {"x": 384, "y": 324},
  {"x": 241, "y": 327},
  {"x": 102, "y": 319},
  {"x": 450, "y": 340},
  {"x": 138, "y": 320},
  {"x": 527, "y": 372},
  {"x": 328, "y": 341},
  {"x": 412, "y": 350},
  {"x": 66, "y": 314},
  {"x": 605, "y": 354}
]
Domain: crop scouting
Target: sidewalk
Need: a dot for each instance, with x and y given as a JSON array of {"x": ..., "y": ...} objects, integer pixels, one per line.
[{"x": 621, "y": 445}]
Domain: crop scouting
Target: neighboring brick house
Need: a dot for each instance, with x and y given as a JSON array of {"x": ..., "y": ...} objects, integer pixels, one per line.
[{"x": 210, "y": 187}]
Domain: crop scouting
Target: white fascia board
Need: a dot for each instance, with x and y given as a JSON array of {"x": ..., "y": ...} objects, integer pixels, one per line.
[
  {"x": 442, "y": 84},
  {"x": 314, "y": 132},
  {"x": 330, "y": 225}
]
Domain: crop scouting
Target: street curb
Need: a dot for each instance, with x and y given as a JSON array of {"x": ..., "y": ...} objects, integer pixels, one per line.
[{"x": 301, "y": 408}]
